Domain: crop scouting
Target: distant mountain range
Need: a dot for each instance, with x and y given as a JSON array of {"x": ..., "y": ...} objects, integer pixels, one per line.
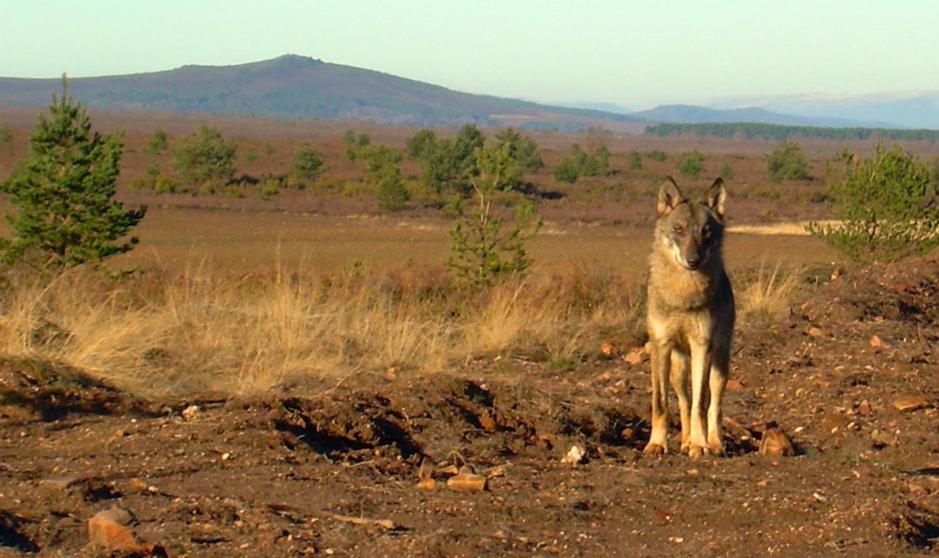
[
  {"x": 690, "y": 114},
  {"x": 299, "y": 87},
  {"x": 898, "y": 110}
]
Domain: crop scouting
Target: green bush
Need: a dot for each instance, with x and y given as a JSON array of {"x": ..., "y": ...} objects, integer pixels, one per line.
[
  {"x": 577, "y": 163},
  {"x": 635, "y": 160},
  {"x": 786, "y": 162},
  {"x": 886, "y": 207},
  {"x": 205, "y": 158},
  {"x": 307, "y": 163},
  {"x": 692, "y": 164},
  {"x": 158, "y": 142}
]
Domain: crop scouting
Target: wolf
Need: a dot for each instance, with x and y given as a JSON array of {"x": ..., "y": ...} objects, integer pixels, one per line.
[{"x": 690, "y": 318}]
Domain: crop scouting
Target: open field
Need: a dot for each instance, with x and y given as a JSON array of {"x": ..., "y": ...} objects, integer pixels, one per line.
[
  {"x": 177, "y": 238},
  {"x": 278, "y": 376}
]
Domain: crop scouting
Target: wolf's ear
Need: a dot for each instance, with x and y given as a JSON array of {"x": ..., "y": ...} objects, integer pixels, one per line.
[
  {"x": 715, "y": 196},
  {"x": 669, "y": 196}
]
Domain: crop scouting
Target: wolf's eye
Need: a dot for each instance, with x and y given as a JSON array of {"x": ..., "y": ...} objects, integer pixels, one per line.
[
  {"x": 706, "y": 232},
  {"x": 678, "y": 229}
]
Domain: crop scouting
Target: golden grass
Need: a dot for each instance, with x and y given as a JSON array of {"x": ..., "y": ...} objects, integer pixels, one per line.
[
  {"x": 156, "y": 332},
  {"x": 768, "y": 292}
]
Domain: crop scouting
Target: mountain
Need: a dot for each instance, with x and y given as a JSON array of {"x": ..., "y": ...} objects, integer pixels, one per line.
[
  {"x": 300, "y": 87},
  {"x": 691, "y": 114},
  {"x": 904, "y": 110},
  {"x": 297, "y": 87},
  {"x": 604, "y": 107}
]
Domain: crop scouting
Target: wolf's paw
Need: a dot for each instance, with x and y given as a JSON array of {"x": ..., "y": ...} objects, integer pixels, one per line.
[
  {"x": 716, "y": 449},
  {"x": 695, "y": 451},
  {"x": 655, "y": 449}
]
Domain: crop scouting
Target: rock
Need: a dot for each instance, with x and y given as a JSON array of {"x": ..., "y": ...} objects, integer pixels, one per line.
[
  {"x": 634, "y": 357},
  {"x": 816, "y": 332},
  {"x": 575, "y": 456},
  {"x": 734, "y": 384},
  {"x": 884, "y": 438},
  {"x": 487, "y": 422},
  {"x": 879, "y": 342},
  {"x": 61, "y": 482},
  {"x": 910, "y": 403},
  {"x": 467, "y": 480},
  {"x": 607, "y": 350},
  {"x": 191, "y": 412},
  {"x": 776, "y": 444},
  {"x": 107, "y": 529},
  {"x": 427, "y": 484},
  {"x": 833, "y": 422}
]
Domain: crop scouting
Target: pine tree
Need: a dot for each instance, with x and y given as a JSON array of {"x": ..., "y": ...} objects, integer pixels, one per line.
[{"x": 64, "y": 192}]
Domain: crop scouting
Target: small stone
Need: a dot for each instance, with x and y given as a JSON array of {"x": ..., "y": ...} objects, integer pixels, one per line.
[
  {"x": 487, "y": 423},
  {"x": 776, "y": 444},
  {"x": 634, "y": 357},
  {"x": 575, "y": 455},
  {"x": 879, "y": 342},
  {"x": 833, "y": 422},
  {"x": 60, "y": 482},
  {"x": 467, "y": 480},
  {"x": 107, "y": 529},
  {"x": 607, "y": 350},
  {"x": 910, "y": 403},
  {"x": 816, "y": 332},
  {"x": 883, "y": 438}
]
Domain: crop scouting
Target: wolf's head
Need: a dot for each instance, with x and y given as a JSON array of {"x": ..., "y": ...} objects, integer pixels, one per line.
[{"x": 691, "y": 231}]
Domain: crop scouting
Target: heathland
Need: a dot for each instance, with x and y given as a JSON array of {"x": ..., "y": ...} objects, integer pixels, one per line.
[{"x": 279, "y": 367}]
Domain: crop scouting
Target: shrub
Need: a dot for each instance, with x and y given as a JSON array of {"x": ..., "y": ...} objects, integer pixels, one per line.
[
  {"x": 158, "y": 141},
  {"x": 635, "y": 160},
  {"x": 692, "y": 164},
  {"x": 205, "y": 158},
  {"x": 726, "y": 172},
  {"x": 446, "y": 165},
  {"x": 886, "y": 206},
  {"x": 307, "y": 163},
  {"x": 579, "y": 163},
  {"x": 786, "y": 162}
]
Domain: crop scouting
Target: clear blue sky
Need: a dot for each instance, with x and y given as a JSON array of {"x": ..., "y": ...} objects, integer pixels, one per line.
[{"x": 633, "y": 53}]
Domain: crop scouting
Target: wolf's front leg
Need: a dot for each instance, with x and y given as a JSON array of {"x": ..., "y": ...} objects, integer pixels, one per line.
[
  {"x": 718, "y": 381},
  {"x": 700, "y": 376},
  {"x": 661, "y": 362}
]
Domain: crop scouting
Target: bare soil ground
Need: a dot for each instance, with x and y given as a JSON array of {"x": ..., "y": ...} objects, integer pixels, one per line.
[{"x": 332, "y": 466}]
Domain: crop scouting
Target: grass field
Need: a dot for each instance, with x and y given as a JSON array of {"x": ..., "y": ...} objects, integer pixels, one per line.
[
  {"x": 240, "y": 293},
  {"x": 174, "y": 239}
]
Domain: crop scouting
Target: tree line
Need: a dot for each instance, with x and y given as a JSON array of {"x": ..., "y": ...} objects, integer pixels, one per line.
[{"x": 780, "y": 132}]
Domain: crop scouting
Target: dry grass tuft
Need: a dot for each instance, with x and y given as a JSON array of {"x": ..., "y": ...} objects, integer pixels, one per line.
[
  {"x": 768, "y": 293},
  {"x": 153, "y": 332}
]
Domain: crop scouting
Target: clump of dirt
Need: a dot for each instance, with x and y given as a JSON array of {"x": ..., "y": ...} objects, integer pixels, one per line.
[{"x": 341, "y": 467}]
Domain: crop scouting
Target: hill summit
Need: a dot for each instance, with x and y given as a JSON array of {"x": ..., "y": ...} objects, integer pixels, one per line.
[{"x": 293, "y": 86}]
